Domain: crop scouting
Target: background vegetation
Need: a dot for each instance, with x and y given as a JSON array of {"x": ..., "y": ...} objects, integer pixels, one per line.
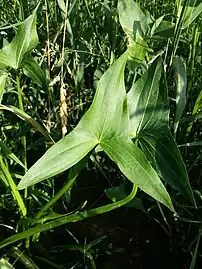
[{"x": 43, "y": 97}]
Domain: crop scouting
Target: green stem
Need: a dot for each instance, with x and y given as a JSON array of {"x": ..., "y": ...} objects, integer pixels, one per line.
[
  {"x": 13, "y": 187},
  {"x": 70, "y": 218},
  {"x": 58, "y": 195}
]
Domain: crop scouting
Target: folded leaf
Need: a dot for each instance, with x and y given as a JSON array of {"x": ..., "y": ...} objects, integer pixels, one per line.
[
  {"x": 32, "y": 69},
  {"x": 130, "y": 14},
  {"x": 135, "y": 166}
]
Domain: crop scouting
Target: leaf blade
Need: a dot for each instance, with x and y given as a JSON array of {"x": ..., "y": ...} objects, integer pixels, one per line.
[
  {"x": 61, "y": 156},
  {"x": 3, "y": 77},
  {"x": 25, "y": 40},
  {"x": 32, "y": 69},
  {"x": 134, "y": 165}
]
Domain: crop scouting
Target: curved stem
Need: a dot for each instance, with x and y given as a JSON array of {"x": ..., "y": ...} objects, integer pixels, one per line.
[{"x": 70, "y": 218}]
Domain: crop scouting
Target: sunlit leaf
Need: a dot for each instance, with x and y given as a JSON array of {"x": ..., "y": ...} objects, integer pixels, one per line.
[
  {"x": 3, "y": 60},
  {"x": 134, "y": 165},
  {"x": 24, "y": 41},
  {"x": 134, "y": 23},
  {"x": 102, "y": 120},
  {"x": 142, "y": 99},
  {"x": 63, "y": 155},
  {"x": 132, "y": 18},
  {"x": 4, "y": 264}
]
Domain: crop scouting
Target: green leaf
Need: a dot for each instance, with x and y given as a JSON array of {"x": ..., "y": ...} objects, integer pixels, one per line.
[
  {"x": 162, "y": 29},
  {"x": 3, "y": 60},
  {"x": 108, "y": 112},
  {"x": 32, "y": 69},
  {"x": 142, "y": 99},
  {"x": 136, "y": 52},
  {"x": 193, "y": 10},
  {"x": 24, "y": 116},
  {"x": 25, "y": 40},
  {"x": 180, "y": 74},
  {"x": 132, "y": 18},
  {"x": 3, "y": 179},
  {"x": 63, "y": 155},
  {"x": 150, "y": 125},
  {"x": 4, "y": 264},
  {"x": 103, "y": 120},
  {"x": 134, "y": 165},
  {"x": 106, "y": 122},
  {"x": 12, "y": 185},
  {"x": 134, "y": 23},
  {"x": 3, "y": 77},
  {"x": 4, "y": 150}
]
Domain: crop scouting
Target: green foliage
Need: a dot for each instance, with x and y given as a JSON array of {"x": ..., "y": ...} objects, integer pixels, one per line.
[
  {"x": 25, "y": 40},
  {"x": 122, "y": 78}
]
